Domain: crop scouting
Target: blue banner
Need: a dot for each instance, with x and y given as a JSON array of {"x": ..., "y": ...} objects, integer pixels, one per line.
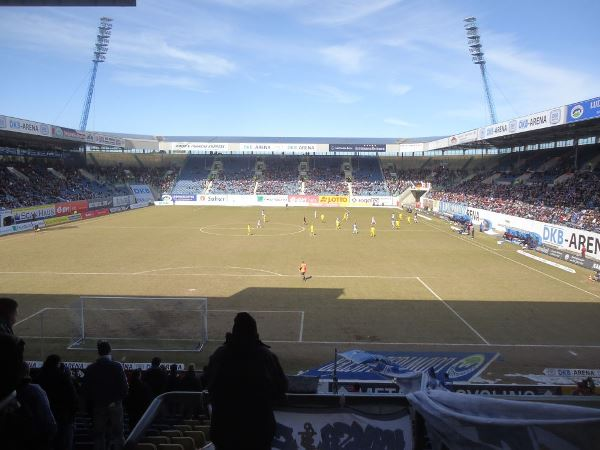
[
  {"x": 459, "y": 366},
  {"x": 588, "y": 109},
  {"x": 452, "y": 208}
]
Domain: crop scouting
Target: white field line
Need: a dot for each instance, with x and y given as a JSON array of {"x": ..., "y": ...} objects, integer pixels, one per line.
[
  {"x": 156, "y": 274},
  {"x": 453, "y": 310},
  {"x": 421, "y": 344},
  {"x": 300, "y": 337},
  {"x": 546, "y": 261},
  {"x": 30, "y": 317},
  {"x": 468, "y": 241},
  {"x": 425, "y": 217}
]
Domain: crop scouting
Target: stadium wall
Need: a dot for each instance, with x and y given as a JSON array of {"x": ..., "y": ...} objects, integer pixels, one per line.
[
  {"x": 557, "y": 236},
  {"x": 279, "y": 200},
  {"x": 26, "y": 219}
]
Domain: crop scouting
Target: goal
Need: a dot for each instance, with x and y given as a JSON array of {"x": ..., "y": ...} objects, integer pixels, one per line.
[{"x": 140, "y": 323}]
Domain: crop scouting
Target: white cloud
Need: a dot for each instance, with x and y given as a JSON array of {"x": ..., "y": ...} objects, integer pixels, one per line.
[
  {"x": 399, "y": 89},
  {"x": 398, "y": 122},
  {"x": 138, "y": 79},
  {"x": 340, "y": 12},
  {"x": 333, "y": 94},
  {"x": 345, "y": 58}
]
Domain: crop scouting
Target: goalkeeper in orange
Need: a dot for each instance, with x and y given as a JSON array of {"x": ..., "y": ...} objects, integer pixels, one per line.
[{"x": 303, "y": 269}]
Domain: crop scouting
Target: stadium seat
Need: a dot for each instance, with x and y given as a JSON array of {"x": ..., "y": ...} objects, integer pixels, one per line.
[
  {"x": 186, "y": 442},
  {"x": 156, "y": 440},
  {"x": 182, "y": 427},
  {"x": 170, "y": 447},
  {"x": 198, "y": 437},
  {"x": 205, "y": 429},
  {"x": 145, "y": 446},
  {"x": 172, "y": 433}
]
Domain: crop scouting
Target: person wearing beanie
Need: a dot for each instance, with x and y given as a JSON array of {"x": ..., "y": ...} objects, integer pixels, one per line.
[{"x": 244, "y": 380}]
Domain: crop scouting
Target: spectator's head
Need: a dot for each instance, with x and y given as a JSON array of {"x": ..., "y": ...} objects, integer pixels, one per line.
[
  {"x": 191, "y": 368},
  {"x": 244, "y": 328},
  {"x": 8, "y": 310},
  {"x": 136, "y": 375},
  {"x": 156, "y": 362},
  {"x": 173, "y": 368},
  {"x": 52, "y": 362},
  {"x": 104, "y": 348}
]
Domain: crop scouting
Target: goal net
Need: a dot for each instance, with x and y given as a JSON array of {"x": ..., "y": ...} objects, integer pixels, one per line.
[{"x": 140, "y": 323}]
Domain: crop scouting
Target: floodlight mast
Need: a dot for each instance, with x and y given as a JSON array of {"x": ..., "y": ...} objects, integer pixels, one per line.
[
  {"x": 101, "y": 49},
  {"x": 477, "y": 56}
]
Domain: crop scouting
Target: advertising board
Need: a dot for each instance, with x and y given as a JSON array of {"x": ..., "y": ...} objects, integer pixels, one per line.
[
  {"x": 586, "y": 110},
  {"x": 68, "y": 133},
  {"x": 66, "y": 208},
  {"x": 358, "y": 148},
  {"x": 24, "y": 126},
  {"x": 463, "y": 138},
  {"x": 142, "y": 192},
  {"x": 33, "y": 212},
  {"x": 537, "y": 121}
]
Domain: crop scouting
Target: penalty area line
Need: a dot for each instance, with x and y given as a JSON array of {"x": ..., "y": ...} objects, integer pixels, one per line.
[{"x": 453, "y": 311}]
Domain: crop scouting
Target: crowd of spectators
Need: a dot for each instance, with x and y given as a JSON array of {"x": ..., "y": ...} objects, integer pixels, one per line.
[
  {"x": 574, "y": 202},
  {"x": 240, "y": 183},
  {"x": 280, "y": 178},
  {"x": 325, "y": 181}
]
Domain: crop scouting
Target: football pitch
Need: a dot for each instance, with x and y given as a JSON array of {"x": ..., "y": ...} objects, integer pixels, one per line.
[{"x": 421, "y": 287}]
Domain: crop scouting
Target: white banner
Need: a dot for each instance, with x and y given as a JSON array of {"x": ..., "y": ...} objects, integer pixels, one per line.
[
  {"x": 544, "y": 119},
  {"x": 194, "y": 147},
  {"x": 565, "y": 238},
  {"x": 142, "y": 192},
  {"x": 277, "y": 147},
  {"x": 24, "y": 126},
  {"x": 459, "y": 421},
  {"x": 434, "y": 145},
  {"x": 103, "y": 140},
  {"x": 463, "y": 138},
  {"x": 360, "y": 200},
  {"x": 123, "y": 200},
  {"x": 338, "y": 429}
]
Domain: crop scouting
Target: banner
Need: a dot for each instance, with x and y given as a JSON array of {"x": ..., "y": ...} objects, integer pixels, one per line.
[
  {"x": 211, "y": 199},
  {"x": 357, "y": 148},
  {"x": 463, "y": 138},
  {"x": 273, "y": 200},
  {"x": 66, "y": 208},
  {"x": 459, "y": 421},
  {"x": 24, "y": 126},
  {"x": 103, "y": 140},
  {"x": 303, "y": 199},
  {"x": 277, "y": 147},
  {"x": 30, "y": 153},
  {"x": 33, "y": 213},
  {"x": 342, "y": 429},
  {"x": 123, "y": 200},
  {"x": 182, "y": 198},
  {"x": 21, "y": 227},
  {"x": 95, "y": 213},
  {"x": 341, "y": 200},
  {"x": 504, "y": 389},
  {"x": 544, "y": 119},
  {"x": 105, "y": 202},
  {"x": 68, "y": 133},
  {"x": 459, "y": 366},
  {"x": 572, "y": 373},
  {"x": 142, "y": 192},
  {"x": 586, "y": 110},
  {"x": 195, "y": 147},
  {"x": 368, "y": 201}
]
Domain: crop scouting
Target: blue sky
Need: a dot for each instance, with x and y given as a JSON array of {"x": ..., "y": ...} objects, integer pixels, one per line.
[{"x": 351, "y": 68}]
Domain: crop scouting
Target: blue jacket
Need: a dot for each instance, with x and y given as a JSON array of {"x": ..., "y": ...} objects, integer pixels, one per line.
[{"x": 104, "y": 383}]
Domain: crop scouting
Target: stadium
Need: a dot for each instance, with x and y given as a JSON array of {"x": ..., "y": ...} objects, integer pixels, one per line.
[{"x": 469, "y": 262}]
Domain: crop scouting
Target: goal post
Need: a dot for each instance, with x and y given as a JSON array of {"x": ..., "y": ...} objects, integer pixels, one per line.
[{"x": 140, "y": 323}]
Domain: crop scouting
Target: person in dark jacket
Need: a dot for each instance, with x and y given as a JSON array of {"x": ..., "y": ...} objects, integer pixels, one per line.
[
  {"x": 191, "y": 383},
  {"x": 139, "y": 398},
  {"x": 33, "y": 398},
  {"x": 55, "y": 379},
  {"x": 173, "y": 381},
  {"x": 155, "y": 377},
  {"x": 105, "y": 388},
  {"x": 244, "y": 379}
]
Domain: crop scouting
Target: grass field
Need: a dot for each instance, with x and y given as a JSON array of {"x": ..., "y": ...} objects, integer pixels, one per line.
[{"x": 422, "y": 287}]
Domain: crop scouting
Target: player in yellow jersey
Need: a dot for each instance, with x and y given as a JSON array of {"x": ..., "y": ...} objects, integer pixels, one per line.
[
  {"x": 408, "y": 218},
  {"x": 312, "y": 229},
  {"x": 346, "y": 216},
  {"x": 338, "y": 223},
  {"x": 398, "y": 223},
  {"x": 322, "y": 218},
  {"x": 249, "y": 230},
  {"x": 372, "y": 234}
]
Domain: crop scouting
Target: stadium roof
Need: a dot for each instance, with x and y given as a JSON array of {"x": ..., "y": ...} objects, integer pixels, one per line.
[{"x": 292, "y": 140}]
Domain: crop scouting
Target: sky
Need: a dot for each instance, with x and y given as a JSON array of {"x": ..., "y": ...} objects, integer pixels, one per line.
[{"x": 291, "y": 68}]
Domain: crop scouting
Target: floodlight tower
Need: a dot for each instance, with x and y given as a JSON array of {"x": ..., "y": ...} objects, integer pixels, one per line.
[
  {"x": 102, "y": 40},
  {"x": 475, "y": 48}
]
